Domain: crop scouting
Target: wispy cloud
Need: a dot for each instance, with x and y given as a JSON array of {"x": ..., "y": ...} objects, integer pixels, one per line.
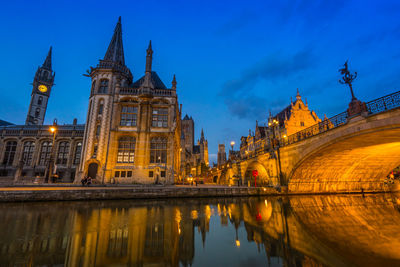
[{"x": 239, "y": 94}]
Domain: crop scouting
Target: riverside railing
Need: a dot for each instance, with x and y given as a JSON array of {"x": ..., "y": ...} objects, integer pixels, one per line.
[{"x": 378, "y": 105}]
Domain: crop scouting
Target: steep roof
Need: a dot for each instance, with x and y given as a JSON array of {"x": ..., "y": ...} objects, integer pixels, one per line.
[
  {"x": 47, "y": 62},
  {"x": 186, "y": 117},
  {"x": 115, "y": 51},
  {"x": 155, "y": 80}
]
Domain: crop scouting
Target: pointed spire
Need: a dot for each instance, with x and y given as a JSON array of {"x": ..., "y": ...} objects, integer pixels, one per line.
[
  {"x": 298, "y": 97},
  {"x": 202, "y": 134},
  {"x": 115, "y": 51},
  {"x": 149, "y": 58},
  {"x": 174, "y": 83},
  {"x": 47, "y": 62}
]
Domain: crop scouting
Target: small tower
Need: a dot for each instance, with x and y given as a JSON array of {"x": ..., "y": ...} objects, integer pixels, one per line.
[
  {"x": 42, "y": 84},
  {"x": 107, "y": 78}
]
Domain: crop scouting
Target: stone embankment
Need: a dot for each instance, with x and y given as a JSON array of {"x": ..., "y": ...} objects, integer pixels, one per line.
[{"x": 68, "y": 193}]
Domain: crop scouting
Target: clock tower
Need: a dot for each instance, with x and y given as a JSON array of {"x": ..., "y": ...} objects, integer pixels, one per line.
[{"x": 42, "y": 83}]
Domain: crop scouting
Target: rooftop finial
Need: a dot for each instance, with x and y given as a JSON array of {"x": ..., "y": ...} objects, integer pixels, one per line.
[
  {"x": 149, "y": 58},
  {"x": 47, "y": 62},
  {"x": 298, "y": 97},
  {"x": 174, "y": 83},
  {"x": 115, "y": 51}
]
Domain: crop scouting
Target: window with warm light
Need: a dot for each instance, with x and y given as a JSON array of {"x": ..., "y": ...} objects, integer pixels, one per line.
[
  {"x": 158, "y": 150},
  {"x": 126, "y": 149}
]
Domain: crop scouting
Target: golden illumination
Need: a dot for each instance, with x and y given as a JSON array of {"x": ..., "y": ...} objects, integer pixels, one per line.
[
  {"x": 53, "y": 129},
  {"x": 232, "y": 143},
  {"x": 42, "y": 88},
  {"x": 237, "y": 243}
]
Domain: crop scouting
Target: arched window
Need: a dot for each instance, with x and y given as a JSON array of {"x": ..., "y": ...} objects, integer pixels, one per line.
[
  {"x": 103, "y": 88},
  {"x": 126, "y": 149},
  {"x": 45, "y": 153},
  {"x": 27, "y": 155},
  {"x": 101, "y": 107},
  {"x": 63, "y": 151},
  {"x": 40, "y": 100},
  {"x": 9, "y": 153},
  {"x": 78, "y": 150},
  {"x": 158, "y": 150}
]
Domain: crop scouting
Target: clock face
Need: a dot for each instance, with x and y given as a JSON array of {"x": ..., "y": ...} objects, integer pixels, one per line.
[{"x": 42, "y": 88}]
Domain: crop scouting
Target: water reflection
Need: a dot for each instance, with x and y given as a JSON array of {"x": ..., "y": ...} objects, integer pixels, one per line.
[{"x": 296, "y": 231}]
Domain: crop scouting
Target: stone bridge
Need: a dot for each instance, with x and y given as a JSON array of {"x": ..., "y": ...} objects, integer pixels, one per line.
[{"x": 344, "y": 153}]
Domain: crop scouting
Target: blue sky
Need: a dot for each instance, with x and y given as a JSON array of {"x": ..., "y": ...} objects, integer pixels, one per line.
[{"x": 234, "y": 60}]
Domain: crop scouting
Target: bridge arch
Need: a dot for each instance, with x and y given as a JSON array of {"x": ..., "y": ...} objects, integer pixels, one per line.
[
  {"x": 354, "y": 157},
  {"x": 263, "y": 178}
]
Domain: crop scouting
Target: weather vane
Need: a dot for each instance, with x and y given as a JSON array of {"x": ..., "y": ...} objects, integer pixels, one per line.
[{"x": 348, "y": 78}]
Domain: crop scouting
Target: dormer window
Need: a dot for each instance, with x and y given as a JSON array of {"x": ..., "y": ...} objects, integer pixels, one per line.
[{"x": 103, "y": 88}]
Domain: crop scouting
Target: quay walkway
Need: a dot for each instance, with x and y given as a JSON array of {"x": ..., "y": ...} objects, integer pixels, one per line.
[{"x": 70, "y": 192}]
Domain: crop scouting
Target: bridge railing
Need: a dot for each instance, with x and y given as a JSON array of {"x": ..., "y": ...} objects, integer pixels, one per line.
[
  {"x": 384, "y": 103},
  {"x": 321, "y": 127}
]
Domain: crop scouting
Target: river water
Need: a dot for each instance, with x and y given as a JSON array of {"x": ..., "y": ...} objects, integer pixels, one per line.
[{"x": 331, "y": 230}]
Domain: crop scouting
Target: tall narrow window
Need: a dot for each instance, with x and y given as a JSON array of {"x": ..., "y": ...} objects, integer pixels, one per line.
[
  {"x": 126, "y": 149},
  {"x": 9, "y": 154},
  {"x": 29, "y": 148},
  {"x": 40, "y": 100},
  {"x": 63, "y": 151},
  {"x": 98, "y": 128},
  {"x": 103, "y": 88},
  {"x": 78, "y": 150},
  {"x": 101, "y": 107},
  {"x": 158, "y": 150},
  {"x": 160, "y": 117},
  {"x": 128, "y": 116},
  {"x": 45, "y": 153}
]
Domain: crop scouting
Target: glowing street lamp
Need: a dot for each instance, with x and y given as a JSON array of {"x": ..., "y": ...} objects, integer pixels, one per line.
[
  {"x": 232, "y": 144},
  {"x": 50, "y": 166}
]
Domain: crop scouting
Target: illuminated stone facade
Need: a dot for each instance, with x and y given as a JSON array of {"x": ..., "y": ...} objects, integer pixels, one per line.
[
  {"x": 194, "y": 157},
  {"x": 132, "y": 133}
]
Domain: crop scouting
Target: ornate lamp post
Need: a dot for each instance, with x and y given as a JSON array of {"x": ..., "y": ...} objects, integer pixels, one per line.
[
  {"x": 355, "y": 106},
  {"x": 50, "y": 167},
  {"x": 274, "y": 125}
]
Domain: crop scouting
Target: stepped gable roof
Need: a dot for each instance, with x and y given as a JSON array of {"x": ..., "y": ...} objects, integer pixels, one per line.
[{"x": 155, "y": 80}]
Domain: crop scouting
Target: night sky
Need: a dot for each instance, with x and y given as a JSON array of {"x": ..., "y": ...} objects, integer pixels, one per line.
[{"x": 234, "y": 60}]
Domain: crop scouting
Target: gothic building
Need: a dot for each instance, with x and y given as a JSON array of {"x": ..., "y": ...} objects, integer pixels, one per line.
[
  {"x": 292, "y": 119},
  {"x": 27, "y": 150},
  {"x": 194, "y": 157},
  {"x": 132, "y": 132}
]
